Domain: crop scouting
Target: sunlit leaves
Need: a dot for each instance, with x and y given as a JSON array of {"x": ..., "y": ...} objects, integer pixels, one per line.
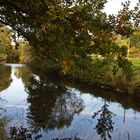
[{"x": 6, "y": 49}]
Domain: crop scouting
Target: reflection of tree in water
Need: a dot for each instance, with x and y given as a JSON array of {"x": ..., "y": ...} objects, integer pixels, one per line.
[
  {"x": 51, "y": 105},
  {"x": 73, "y": 138},
  {"x": 105, "y": 124},
  {"x": 24, "y": 73},
  {"x": 22, "y": 133},
  {"x": 5, "y": 77}
]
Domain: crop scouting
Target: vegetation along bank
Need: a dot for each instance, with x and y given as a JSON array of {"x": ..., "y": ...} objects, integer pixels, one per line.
[{"x": 77, "y": 40}]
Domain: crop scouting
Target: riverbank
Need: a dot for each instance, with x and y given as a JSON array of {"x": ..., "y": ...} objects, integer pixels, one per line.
[
  {"x": 108, "y": 81},
  {"x": 98, "y": 76},
  {"x": 121, "y": 84}
]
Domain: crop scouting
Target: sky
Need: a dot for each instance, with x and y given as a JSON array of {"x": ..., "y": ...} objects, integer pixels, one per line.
[{"x": 114, "y": 5}]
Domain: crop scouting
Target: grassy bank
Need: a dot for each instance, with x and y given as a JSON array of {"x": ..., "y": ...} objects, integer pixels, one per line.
[
  {"x": 97, "y": 75},
  {"x": 135, "y": 81},
  {"x": 94, "y": 73},
  {"x": 119, "y": 81}
]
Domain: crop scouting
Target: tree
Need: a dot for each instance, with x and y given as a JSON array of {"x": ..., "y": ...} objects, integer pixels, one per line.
[
  {"x": 6, "y": 49},
  {"x": 135, "y": 38},
  {"x": 65, "y": 33},
  {"x": 24, "y": 52}
]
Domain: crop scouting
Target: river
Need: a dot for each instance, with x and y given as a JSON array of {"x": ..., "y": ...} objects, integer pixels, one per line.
[{"x": 52, "y": 108}]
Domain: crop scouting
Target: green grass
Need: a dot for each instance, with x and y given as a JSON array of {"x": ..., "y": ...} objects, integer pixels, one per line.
[
  {"x": 119, "y": 80},
  {"x": 135, "y": 62},
  {"x": 135, "y": 66},
  {"x": 135, "y": 82}
]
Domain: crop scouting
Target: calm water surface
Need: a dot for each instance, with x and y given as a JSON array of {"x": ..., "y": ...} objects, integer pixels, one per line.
[{"x": 55, "y": 108}]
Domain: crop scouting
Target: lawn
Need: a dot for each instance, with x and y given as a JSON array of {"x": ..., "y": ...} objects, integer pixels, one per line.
[{"x": 135, "y": 62}]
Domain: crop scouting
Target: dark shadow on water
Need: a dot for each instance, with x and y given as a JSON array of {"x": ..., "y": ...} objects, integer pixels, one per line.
[{"x": 51, "y": 105}]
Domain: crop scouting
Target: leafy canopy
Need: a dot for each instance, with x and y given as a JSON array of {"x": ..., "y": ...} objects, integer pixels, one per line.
[{"x": 68, "y": 32}]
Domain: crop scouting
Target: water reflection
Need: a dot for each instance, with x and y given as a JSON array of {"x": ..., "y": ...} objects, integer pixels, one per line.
[
  {"x": 5, "y": 77},
  {"x": 63, "y": 110},
  {"x": 5, "y": 81},
  {"x": 24, "y": 73},
  {"x": 104, "y": 127},
  {"x": 51, "y": 105}
]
